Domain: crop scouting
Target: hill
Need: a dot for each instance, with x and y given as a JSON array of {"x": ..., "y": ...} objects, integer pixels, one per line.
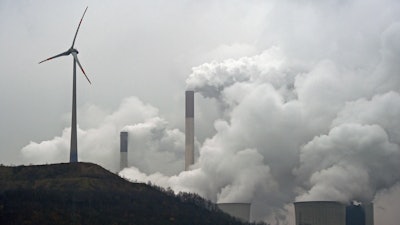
[{"x": 85, "y": 193}]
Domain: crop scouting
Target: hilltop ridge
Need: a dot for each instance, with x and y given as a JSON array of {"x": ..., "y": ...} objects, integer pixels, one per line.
[{"x": 85, "y": 193}]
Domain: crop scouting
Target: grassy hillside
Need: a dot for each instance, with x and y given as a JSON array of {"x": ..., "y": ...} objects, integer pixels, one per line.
[{"x": 85, "y": 193}]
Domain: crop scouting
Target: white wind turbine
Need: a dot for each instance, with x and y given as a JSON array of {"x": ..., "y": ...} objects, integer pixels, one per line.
[{"x": 72, "y": 51}]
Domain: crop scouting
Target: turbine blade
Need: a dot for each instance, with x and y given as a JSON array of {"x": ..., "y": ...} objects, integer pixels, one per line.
[
  {"x": 56, "y": 56},
  {"x": 76, "y": 33},
  {"x": 80, "y": 66}
]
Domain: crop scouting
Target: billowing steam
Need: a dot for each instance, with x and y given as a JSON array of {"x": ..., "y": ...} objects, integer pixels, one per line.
[
  {"x": 314, "y": 117},
  {"x": 153, "y": 146}
]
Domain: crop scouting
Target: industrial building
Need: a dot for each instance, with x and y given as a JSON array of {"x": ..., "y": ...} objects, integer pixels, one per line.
[
  {"x": 237, "y": 210},
  {"x": 123, "y": 150},
  {"x": 333, "y": 213}
]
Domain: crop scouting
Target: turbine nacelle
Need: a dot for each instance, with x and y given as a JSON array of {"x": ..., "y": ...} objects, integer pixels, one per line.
[{"x": 73, "y": 50}]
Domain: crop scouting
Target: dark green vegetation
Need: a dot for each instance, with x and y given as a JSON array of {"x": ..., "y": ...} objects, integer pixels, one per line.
[{"x": 85, "y": 193}]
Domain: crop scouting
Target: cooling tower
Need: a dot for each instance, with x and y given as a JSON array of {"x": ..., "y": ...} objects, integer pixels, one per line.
[
  {"x": 238, "y": 210},
  {"x": 123, "y": 150},
  {"x": 189, "y": 129},
  {"x": 320, "y": 213}
]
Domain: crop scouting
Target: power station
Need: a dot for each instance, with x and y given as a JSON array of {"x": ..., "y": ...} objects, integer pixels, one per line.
[
  {"x": 189, "y": 129},
  {"x": 306, "y": 213},
  {"x": 333, "y": 213},
  {"x": 123, "y": 150}
]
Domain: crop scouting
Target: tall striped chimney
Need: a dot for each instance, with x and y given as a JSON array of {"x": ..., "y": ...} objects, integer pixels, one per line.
[
  {"x": 189, "y": 129},
  {"x": 123, "y": 150}
]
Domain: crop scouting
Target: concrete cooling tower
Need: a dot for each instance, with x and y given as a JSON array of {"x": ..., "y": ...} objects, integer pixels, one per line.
[
  {"x": 333, "y": 213},
  {"x": 123, "y": 150},
  {"x": 189, "y": 129},
  {"x": 238, "y": 210},
  {"x": 320, "y": 213}
]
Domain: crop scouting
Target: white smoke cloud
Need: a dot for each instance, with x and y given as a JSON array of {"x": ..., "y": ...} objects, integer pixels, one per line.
[
  {"x": 48, "y": 151},
  {"x": 219, "y": 175},
  {"x": 153, "y": 147},
  {"x": 152, "y": 144},
  {"x": 384, "y": 204},
  {"x": 347, "y": 164},
  {"x": 323, "y": 124}
]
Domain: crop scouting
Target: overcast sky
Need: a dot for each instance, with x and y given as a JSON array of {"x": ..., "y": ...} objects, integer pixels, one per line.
[
  {"x": 295, "y": 100},
  {"x": 129, "y": 48}
]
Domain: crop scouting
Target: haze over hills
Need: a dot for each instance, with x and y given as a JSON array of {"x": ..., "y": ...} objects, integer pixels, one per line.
[{"x": 85, "y": 193}]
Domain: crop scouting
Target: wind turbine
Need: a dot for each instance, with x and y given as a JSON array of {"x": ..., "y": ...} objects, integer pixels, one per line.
[{"x": 72, "y": 51}]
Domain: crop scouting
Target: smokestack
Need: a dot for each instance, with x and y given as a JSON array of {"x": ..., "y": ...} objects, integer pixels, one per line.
[
  {"x": 123, "y": 150},
  {"x": 189, "y": 129}
]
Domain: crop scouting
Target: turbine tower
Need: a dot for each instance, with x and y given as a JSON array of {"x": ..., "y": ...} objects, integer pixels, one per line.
[{"x": 72, "y": 51}]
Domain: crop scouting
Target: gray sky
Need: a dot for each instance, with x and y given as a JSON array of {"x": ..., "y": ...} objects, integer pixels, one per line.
[
  {"x": 296, "y": 100},
  {"x": 129, "y": 48}
]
